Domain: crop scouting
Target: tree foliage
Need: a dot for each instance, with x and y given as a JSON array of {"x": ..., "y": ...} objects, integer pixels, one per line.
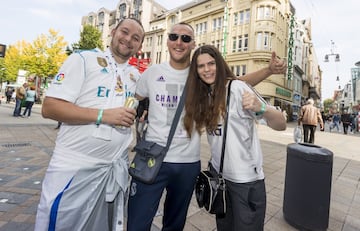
[
  {"x": 41, "y": 58},
  {"x": 90, "y": 38},
  {"x": 328, "y": 103}
]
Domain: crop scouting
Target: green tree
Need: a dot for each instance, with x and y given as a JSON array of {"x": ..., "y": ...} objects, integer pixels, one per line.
[
  {"x": 90, "y": 38},
  {"x": 41, "y": 58},
  {"x": 328, "y": 103},
  {"x": 46, "y": 54},
  {"x": 15, "y": 60}
]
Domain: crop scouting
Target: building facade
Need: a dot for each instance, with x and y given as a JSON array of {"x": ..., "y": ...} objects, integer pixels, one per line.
[{"x": 245, "y": 31}]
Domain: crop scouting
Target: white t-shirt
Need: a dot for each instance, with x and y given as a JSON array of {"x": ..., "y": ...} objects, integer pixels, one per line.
[
  {"x": 89, "y": 79},
  {"x": 164, "y": 85},
  {"x": 243, "y": 156}
]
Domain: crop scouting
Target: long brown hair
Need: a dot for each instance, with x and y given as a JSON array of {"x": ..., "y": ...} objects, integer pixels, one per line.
[{"x": 204, "y": 103}]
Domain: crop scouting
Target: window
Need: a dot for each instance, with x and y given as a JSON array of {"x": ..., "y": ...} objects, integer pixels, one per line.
[
  {"x": 122, "y": 11},
  {"x": 240, "y": 41},
  {"x": 101, "y": 17},
  {"x": 243, "y": 68},
  {"x": 246, "y": 41},
  {"x": 172, "y": 20},
  {"x": 263, "y": 41},
  {"x": 260, "y": 13},
  {"x": 158, "y": 57},
  {"x": 237, "y": 69},
  {"x": 160, "y": 38},
  {"x": 241, "y": 17},
  {"x": 258, "y": 41},
  {"x": 266, "y": 41},
  {"x": 217, "y": 45},
  {"x": 217, "y": 23},
  {"x": 247, "y": 16},
  {"x": 234, "y": 44},
  {"x": 200, "y": 28},
  {"x": 265, "y": 12},
  {"x": 90, "y": 20}
]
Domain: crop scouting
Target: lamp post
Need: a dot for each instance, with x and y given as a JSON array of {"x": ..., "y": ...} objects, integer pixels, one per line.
[{"x": 1, "y": 79}]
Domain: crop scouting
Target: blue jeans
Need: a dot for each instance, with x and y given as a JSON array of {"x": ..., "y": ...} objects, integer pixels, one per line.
[
  {"x": 178, "y": 179},
  {"x": 17, "y": 110}
]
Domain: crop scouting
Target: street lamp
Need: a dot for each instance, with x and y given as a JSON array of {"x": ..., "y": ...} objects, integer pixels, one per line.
[
  {"x": 337, "y": 56},
  {"x": 337, "y": 59},
  {"x": 1, "y": 79}
]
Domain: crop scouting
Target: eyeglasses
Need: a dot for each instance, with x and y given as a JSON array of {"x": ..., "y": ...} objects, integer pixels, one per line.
[{"x": 185, "y": 38}]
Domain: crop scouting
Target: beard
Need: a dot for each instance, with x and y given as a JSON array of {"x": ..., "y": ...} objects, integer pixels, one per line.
[{"x": 121, "y": 53}]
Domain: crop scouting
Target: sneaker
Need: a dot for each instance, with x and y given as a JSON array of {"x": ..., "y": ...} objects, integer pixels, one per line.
[{"x": 22, "y": 116}]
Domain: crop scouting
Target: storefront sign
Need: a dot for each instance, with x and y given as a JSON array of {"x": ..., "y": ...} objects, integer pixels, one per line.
[{"x": 283, "y": 92}]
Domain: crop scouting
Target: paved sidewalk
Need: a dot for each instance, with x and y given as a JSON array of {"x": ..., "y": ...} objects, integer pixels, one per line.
[{"x": 26, "y": 147}]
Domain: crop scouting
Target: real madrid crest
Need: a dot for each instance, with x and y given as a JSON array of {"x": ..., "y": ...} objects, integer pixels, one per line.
[{"x": 102, "y": 62}]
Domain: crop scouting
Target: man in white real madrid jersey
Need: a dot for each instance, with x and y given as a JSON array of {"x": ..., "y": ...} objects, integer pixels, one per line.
[{"x": 87, "y": 177}]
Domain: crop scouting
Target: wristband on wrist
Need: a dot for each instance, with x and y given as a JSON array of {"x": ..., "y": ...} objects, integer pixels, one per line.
[
  {"x": 262, "y": 110},
  {"x": 99, "y": 117}
]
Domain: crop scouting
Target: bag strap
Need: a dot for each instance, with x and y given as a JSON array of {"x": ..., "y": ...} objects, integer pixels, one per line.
[
  {"x": 176, "y": 119},
  {"x": 225, "y": 128}
]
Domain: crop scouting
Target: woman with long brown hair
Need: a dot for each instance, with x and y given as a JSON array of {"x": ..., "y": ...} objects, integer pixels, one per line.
[{"x": 205, "y": 107}]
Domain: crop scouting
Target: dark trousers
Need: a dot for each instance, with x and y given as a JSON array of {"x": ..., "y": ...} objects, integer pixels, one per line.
[
  {"x": 309, "y": 133},
  {"x": 28, "y": 107},
  {"x": 346, "y": 127},
  {"x": 245, "y": 207},
  {"x": 178, "y": 179}
]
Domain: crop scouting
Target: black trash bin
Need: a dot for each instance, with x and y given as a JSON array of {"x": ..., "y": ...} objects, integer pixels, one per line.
[{"x": 307, "y": 189}]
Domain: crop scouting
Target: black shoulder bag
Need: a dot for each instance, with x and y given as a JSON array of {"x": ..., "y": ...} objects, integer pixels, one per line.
[
  {"x": 150, "y": 155},
  {"x": 210, "y": 187}
]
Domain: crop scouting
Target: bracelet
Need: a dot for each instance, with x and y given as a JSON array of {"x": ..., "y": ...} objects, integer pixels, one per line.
[
  {"x": 262, "y": 110},
  {"x": 99, "y": 117}
]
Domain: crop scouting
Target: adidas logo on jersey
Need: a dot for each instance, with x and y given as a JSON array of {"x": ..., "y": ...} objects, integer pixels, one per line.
[{"x": 161, "y": 79}]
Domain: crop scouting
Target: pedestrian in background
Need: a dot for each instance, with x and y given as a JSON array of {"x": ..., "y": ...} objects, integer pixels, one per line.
[
  {"x": 335, "y": 122},
  {"x": 346, "y": 121},
  {"x": 205, "y": 108},
  {"x": 86, "y": 182},
  {"x": 20, "y": 95},
  {"x": 310, "y": 116},
  {"x": 163, "y": 85},
  {"x": 8, "y": 93},
  {"x": 30, "y": 99}
]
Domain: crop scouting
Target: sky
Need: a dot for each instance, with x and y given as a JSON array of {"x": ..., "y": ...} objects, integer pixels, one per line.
[{"x": 335, "y": 28}]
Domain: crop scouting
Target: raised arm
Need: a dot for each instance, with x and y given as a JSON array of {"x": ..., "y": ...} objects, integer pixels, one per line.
[{"x": 276, "y": 66}]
